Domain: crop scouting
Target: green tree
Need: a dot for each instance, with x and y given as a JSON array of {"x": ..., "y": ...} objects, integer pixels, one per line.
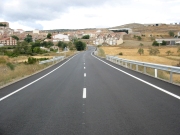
[
  {"x": 2, "y": 24},
  {"x": 49, "y": 35},
  {"x": 141, "y": 51},
  {"x": 171, "y": 33},
  {"x": 62, "y": 44},
  {"x": 36, "y": 50},
  {"x": 49, "y": 44},
  {"x": 15, "y": 37},
  {"x": 155, "y": 43},
  {"x": 153, "y": 51},
  {"x": 86, "y": 37},
  {"x": 22, "y": 48},
  {"x": 163, "y": 42},
  {"x": 28, "y": 38},
  {"x": 80, "y": 45},
  {"x": 139, "y": 38}
]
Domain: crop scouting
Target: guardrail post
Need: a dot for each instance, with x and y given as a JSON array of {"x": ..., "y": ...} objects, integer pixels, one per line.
[
  {"x": 155, "y": 73},
  {"x": 130, "y": 65},
  {"x": 144, "y": 70},
  {"x": 136, "y": 67},
  {"x": 171, "y": 76},
  {"x": 126, "y": 64}
]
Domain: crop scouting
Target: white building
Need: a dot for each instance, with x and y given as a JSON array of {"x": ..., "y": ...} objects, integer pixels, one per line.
[
  {"x": 35, "y": 31},
  {"x": 60, "y": 37},
  {"x": 110, "y": 39},
  {"x": 178, "y": 34}
]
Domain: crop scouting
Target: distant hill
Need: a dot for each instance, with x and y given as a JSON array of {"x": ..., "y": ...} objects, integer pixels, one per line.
[{"x": 130, "y": 25}]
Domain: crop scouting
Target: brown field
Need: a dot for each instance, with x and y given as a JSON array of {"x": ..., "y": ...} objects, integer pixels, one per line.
[{"x": 130, "y": 52}]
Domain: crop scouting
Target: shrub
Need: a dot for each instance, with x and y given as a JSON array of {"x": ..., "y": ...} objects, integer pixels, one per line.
[
  {"x": 163, "y": 42},
  {"x": 155, "y": 43},
  {"x": 11, "y": 54},
  {"x": 86, "y": 37},
  {"x": 80, "y": 45},
  {"x": 41, "y": 59},
  {"x": 171, "y": 33},
  {"x": 169, "y": 52},
  {"x": 10, "y": 65},
  {"x": 139, "y": 38},
  {"x": 153, "y": 51},
  {"x": 120, "y": 53},
  {"x": 31, "y": 60},
  {"x": 141, "y": 51}
]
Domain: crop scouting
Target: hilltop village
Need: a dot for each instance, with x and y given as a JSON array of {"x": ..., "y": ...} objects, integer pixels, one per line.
[{"x": 96, "y": 36}]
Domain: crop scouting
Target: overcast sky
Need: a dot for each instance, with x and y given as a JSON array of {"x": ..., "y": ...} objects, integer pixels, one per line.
[{"x": 77, "y": 14}]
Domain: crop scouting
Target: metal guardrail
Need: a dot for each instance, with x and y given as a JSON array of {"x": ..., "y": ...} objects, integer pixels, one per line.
[
  {"x": 156, "y": 67},
  {"x": 55, "y": 59}
]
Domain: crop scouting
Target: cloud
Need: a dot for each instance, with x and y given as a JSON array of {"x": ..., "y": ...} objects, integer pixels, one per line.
[
  {"x": 54, "y": 14},
  {"x": 16, "y": 10}
]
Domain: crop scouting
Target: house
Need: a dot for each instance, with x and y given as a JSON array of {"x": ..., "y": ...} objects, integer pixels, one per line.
[
  {"x": 114, "y": 39},
  {"x": 8, "y": 41},
  {"x": 60, "y": 37},
  {"x": 100, "y": 39},
  {"x": 110, "y": 39},
  {"x": 6, "y": 30}
]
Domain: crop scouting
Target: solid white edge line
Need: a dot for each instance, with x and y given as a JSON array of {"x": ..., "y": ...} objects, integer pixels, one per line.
[
  {"x": 150, "y": 84},
  {"x": 34, "y": 81},
  {"x": 84, "y": 93}
]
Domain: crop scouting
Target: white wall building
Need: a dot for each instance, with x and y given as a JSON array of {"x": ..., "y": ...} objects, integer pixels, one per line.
[
  {"x": 178, "y": 34},
  {"x": 60, "y": 37},
  {"x": 35, "y": 31}
]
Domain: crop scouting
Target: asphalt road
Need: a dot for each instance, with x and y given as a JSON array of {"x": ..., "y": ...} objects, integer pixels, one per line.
[{"x": 84, "y": 96}]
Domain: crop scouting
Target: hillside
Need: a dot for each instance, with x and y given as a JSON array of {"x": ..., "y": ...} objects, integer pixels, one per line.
[{"x": 130, "y": 25}]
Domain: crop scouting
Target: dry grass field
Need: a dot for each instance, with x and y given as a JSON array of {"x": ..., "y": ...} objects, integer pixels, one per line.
[
  {"x": 130, "y": 52},
  {"x": 133, "y": 43},
  {"x": 21, "y": 69}
]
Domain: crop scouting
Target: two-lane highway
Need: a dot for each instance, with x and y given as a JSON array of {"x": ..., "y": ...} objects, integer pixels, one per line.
[{"x": 83, "y": 95}]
